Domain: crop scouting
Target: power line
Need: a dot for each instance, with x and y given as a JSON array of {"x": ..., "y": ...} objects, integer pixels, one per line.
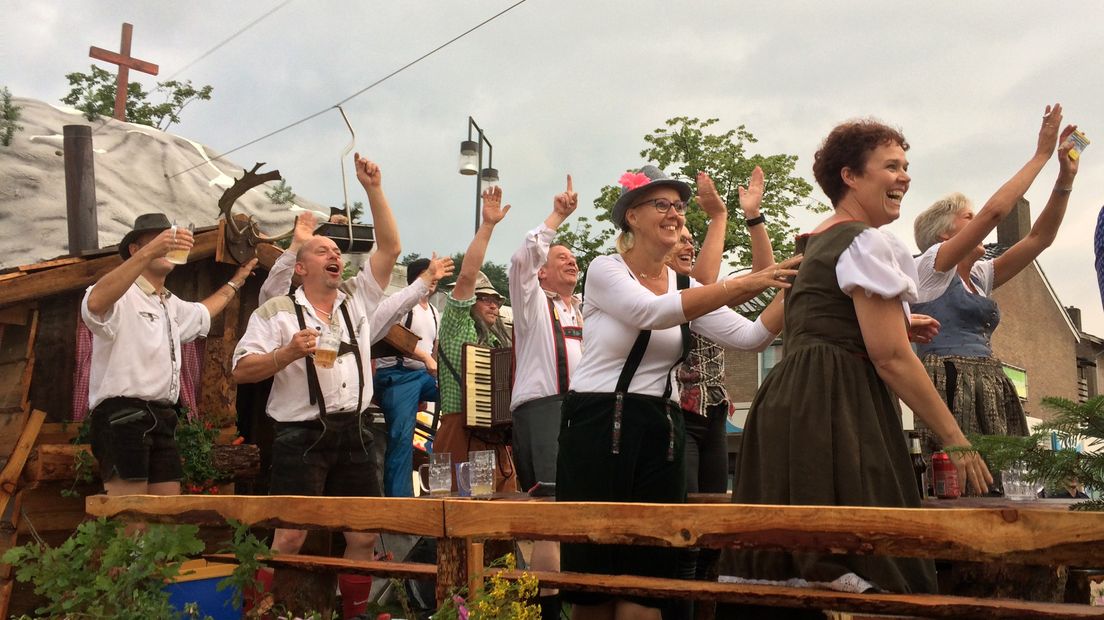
[
  {"x": 361, "y": 91},
  {"x": 230, "y": 38}
]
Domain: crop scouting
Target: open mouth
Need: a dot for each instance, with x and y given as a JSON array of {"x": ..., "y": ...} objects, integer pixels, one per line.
[
  {"x": 333, "y": 269},
  {"x": 895, "y": 196}
]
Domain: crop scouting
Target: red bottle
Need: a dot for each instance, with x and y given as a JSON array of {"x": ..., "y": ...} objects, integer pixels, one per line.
[{"x": 944, "y": 476}]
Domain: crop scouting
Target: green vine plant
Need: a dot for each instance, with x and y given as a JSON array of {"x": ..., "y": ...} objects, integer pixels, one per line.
[{"x": 1071, "y": 424}]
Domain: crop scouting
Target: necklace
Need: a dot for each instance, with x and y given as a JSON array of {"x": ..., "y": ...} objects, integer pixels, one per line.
[
  {"x": 662, "y": 272},
  {"x": 321, "y": 311}
]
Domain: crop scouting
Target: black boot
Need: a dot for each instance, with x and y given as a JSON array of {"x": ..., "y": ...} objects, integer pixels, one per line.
[{"x": 551, "y": 606}]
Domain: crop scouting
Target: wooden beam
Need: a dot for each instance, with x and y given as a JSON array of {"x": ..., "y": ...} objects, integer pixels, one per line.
[
  {"x": 321, "y": 564},
  {"x": 84, "y": 273},
  {"x": 1021, "y": 536},
  {"x": 452, "y": 567},
  {"x": 51, "y": 462},
  {"x": 419, "y": 517},
  {"x": 924, "y": 605},
  {"x": 9, "y": 476}
]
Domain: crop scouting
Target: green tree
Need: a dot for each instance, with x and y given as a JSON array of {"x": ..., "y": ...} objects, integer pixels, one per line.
[
  {"x": 409, "y": 258},
  {"x": 281, "y": 194},
  {"x": 9, "y": 114},
  {"x": 686, "y": 146},
  {"x": 94, "y": 94}
]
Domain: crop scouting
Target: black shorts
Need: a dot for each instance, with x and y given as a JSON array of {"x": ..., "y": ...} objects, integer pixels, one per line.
[
  {"x": 333, "y": 458},
  {"x": 536, "y": 436},
  {"x": 135, "y": 440},
  {"x": 641, "y": 472}
]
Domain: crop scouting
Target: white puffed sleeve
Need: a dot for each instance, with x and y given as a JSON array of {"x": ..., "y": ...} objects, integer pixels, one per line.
[{"x": 880, "y": 264}]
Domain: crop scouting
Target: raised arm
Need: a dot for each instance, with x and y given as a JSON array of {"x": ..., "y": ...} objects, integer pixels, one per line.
[
  {"x": 217, "y": 301},
  {"x": 493, "y": 212},
  {"x": 958, "y": 247},
  {"x": 708, "y": 264},
  {"x": 1045, "y": 229},
  {"x": 533, "y": 253},
  {"x": 885, "y": 334},
  {"x": 115, "y": 283},
  {"x": 386, "y": 231},
  {"x": 279, "y": 279}
]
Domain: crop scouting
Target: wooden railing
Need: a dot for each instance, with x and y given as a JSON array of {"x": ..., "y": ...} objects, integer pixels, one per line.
[{"x": 1013, "y": 535}]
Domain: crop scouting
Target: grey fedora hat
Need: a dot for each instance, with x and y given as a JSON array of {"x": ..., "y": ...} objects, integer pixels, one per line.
[
  {"x": 633, "y": 185},
  {"x": 147, "y": 222}
]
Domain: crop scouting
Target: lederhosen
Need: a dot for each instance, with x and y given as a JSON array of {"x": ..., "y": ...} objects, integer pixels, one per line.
[{"x": 620, "y": 446}]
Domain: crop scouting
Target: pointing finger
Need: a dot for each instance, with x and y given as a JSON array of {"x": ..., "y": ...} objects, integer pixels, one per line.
[{"x": 569, "y": 187}]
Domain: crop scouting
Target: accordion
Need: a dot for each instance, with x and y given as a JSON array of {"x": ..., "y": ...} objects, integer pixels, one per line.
[{"x": 487, "y": 385}]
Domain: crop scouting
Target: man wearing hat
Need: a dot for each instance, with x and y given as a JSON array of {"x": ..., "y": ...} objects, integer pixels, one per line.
[
  {"x": 471, "y": 314},
  {"x": 138, "y": 328},
  {"x": 403, "y": 382}
]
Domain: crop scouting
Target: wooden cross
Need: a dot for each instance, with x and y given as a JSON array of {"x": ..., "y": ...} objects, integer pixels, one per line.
[{"x": 126, "y": 63}]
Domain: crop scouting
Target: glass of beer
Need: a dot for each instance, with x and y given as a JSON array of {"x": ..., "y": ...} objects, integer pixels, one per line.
[
  {"x": 439, "y": 470},
  {"x": 179, "y": 257},
  {"x": 326, "y": 351},
  {"x": 482, "y": 473}
]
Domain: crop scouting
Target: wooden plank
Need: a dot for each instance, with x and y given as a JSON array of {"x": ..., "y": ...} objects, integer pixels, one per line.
[
  {"x": 474, "y": 556},
  {"x": 419, "y": 517},
  {"x": 49, "y": 264},
  {"x": 1021, "y": 536},
  {"x": 9, "y": 476},
  {"x": 15, "y": 315},
  {"x": 322, "y": 564},
  {"x": 267, "y": 255},
  {"x": 925, "y": 605},
  {"x": 9, "y": 537},
  {"x": 11, "y": 276},
  {"x": 81, "y": 274},
  {"x": 58, "y": 433},
  {"x": 48, "y": 510},
  {"x": 53, "y": 462}
]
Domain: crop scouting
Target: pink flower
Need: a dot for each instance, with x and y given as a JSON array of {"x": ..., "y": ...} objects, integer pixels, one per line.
[
  {"x": 633, "y": 180},
  {"x": 461, "y": 609}
]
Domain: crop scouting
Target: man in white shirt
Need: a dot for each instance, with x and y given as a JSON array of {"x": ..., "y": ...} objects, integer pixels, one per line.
[
  {"x": 402, "y": 383},
  {"x": 322, "y": 443},
  {"x": 547, "y": 346},
  {"x": 137, "y": 328}
]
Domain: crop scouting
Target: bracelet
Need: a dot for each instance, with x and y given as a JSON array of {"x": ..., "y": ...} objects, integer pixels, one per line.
[
  {"x": 724, "y": 284},
  {"x": 231, "y": 284},
  {"x": 275, "y": 363},
  {"x": 759, "y": 219},
  {"x": 1063, "y": 190}
]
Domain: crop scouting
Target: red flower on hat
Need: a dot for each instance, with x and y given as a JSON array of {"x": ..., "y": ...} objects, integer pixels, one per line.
[{"x": 633, "y": 180}]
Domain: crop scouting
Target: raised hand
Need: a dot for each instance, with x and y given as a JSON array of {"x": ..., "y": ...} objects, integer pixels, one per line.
[
  {"x": 1048, "y": 133},
  {"x": 922, "y": 328},
  {"x": 167, "y": 241},
  {"x": 709, "y": 199},
  {"x": 304, "y": 229},
  {"x": 368, "y": 173},
  {"x": 244, "y": 272},
  {"x": 493, "y": 211},
  {"x": 1067, "y": 168},
  {"x": 565, "y": 203},
  {"x": 751, "y": 197},
  {"x": 438, "y": 268}
]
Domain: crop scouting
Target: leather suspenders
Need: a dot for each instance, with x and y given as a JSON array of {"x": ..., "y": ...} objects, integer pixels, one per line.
[
  {"x": 313, "y": 387},
  {"x": 559, "y": 334}
]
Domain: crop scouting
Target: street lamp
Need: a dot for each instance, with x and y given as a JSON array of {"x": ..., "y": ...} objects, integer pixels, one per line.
[{"x": 471, "y": 163}]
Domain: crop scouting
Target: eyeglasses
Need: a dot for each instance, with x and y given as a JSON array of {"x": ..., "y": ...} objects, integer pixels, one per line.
[
  {"x": 662, "y": 205},
  {"x": 489, "y": 299}
]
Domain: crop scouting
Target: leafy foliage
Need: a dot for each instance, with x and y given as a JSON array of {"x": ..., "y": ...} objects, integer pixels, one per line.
[
  {"x": 94, "y": 94},
  {"x": 496, "y": 273},
  {"x": 281, "y": 194},
  {"x": 250, "y": 553},
  {"x": 686, "y": 146},
  {"x": 1072, "y": 423},
  {"x": 196, "y": 440},
  {"x": 500, "y": 598},
  {"x": 9, "y": 114},
  {"x": 103, "y": 572}
]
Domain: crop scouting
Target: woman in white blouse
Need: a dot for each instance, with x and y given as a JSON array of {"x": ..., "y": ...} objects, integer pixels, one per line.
[
  {"x": 823, "y": 428},
  {"x": 621, "y": 437},
  {"x": 956, "y": 285}
]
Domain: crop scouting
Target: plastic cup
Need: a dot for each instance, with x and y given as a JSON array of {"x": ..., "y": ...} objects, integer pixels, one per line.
[{"x": 179, "y": 257}]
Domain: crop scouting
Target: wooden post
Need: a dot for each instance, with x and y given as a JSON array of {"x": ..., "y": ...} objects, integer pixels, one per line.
[
  {"x": 452, "y": 567},
  {"x": 126, "y": 62},
  {"x": 80, "y": 189}
]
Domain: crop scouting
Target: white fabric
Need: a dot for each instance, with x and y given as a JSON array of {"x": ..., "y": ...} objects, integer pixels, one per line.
[
  {"x": 390, "y": 311},
  {"x": 424, "y": 323},
  {"x": 617, "y": 308},
  {"x": 136, "y": 344},
  {"x": 535, "y": 374},
  {"x": 880, "y": 264},
  {"x": 272, "y": 326},
  {"x": 934, "y": 283}
]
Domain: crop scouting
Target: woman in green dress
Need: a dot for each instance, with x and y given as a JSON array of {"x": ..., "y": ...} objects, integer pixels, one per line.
[{"x": 823, "y": 429}]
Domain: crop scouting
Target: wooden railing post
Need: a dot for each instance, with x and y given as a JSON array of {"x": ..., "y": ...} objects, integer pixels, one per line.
[{"x": 452, "y": 566}]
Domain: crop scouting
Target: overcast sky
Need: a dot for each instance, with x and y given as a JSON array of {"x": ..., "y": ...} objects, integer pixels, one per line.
[{"x": 573, "y": 86}]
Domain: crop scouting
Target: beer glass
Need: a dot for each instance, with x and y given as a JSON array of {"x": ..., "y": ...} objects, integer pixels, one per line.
[
  {"x": 325, "y": 352},
  {"x": 439, "y": 474},
  {"x": 1017, "y": 483},
  {"x": 179, "y": 257},
  {"x": 482, "y": 473}
]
